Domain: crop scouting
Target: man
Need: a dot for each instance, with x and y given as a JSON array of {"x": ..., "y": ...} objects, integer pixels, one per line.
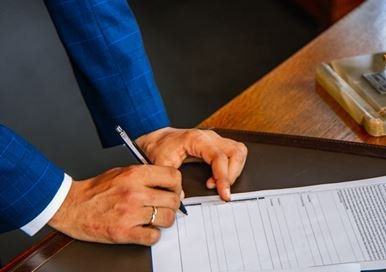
[{"x": 105, "y": 47}]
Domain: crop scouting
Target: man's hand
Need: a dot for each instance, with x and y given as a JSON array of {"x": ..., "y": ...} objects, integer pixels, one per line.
[
  {"x": 116, "y": 206},
  {"x": 170, "y": 147}
]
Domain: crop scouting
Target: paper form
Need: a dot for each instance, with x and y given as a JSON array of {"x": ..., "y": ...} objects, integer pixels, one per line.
[
  {"x": 327, "y": 268},
  {"x": 287, "y": 229}
]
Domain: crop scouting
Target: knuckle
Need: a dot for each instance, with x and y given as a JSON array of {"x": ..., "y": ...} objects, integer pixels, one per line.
[
  {"x": 152, "y": 237},
  {"x": 193, "y": 134},
  {"x": 113, "y": 234},
  {"x": 176, "y": 202},
  {"x": 133, "y": 198},
  {"x": 243, "y": 149},
  {"x": 211, "y": 133},
  {"x": 170, "y": 216},
  {"x": 129, "y": 171},
  {"x": 119, "y": 209},
  {"x": 239, "y": 152},
  {"x": 176, "y": 174},
  {"x": 136, "y": 173},
  {"x": 128, "y": 194},
  {"x": 114, "y": 170}
]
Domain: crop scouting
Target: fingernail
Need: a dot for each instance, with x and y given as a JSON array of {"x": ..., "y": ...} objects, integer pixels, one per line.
[
  {"x": 228, "y": 193},
  {"x": 182, "y": 195},
  {"x": 211, "y": 185}
]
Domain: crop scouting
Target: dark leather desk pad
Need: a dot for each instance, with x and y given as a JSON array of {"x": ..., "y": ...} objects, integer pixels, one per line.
[{"x": 274, "y": 161}]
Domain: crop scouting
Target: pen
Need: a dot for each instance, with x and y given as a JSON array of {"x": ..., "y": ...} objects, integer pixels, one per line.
[{"x": 139, "y": 155}]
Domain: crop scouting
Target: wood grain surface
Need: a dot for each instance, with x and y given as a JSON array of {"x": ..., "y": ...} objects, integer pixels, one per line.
[
  {"x": 287, "y": 100},
  {"x": 35, "y": 256}
]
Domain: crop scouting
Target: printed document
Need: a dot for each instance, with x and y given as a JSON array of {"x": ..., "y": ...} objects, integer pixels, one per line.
[{"x": 286, "y": 229}]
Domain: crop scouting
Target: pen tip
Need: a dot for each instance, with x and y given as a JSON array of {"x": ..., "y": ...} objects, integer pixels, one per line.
[{"x": 183, "y": 209}]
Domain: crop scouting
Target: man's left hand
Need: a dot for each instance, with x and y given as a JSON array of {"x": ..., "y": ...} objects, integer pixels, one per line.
[{"x": 171, "y": 146}]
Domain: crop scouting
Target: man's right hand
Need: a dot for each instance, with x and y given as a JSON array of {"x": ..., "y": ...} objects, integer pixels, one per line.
[{"x": 116, "y": 206}]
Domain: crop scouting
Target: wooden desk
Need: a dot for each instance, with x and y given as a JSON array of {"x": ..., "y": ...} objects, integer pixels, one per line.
[
  {"x": 284, "y": 101},
  {"x": 287, "y": 100}
]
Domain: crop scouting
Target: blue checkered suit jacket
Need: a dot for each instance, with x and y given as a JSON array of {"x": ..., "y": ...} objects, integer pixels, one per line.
[{"x": 111, "y": 66}]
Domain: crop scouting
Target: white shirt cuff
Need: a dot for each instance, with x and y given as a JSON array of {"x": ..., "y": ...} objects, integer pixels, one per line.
[{"x": 42, "y": 219}]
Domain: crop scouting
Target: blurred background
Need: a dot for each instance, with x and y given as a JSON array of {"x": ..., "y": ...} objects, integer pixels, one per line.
[{"x": 203, "y": 54}]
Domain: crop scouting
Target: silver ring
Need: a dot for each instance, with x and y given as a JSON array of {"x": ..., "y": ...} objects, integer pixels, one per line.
[{"x": 155, "y": 211}]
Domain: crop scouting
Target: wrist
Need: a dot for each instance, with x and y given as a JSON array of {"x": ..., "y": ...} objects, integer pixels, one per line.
[
  {"x": 51, "y": 209},
  {"x": 65, "y": 212}
]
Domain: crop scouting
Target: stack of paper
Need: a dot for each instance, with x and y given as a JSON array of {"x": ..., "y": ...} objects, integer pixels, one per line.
[{"x": 296, "y": 228}]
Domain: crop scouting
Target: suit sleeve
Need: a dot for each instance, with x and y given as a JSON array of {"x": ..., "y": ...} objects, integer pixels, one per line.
[
  {"x": 28, "y": 181},
  {"x": 105, "y": 47}
]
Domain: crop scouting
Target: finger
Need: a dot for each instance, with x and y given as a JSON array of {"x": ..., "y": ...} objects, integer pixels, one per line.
[
  {"x": 211, "y": 183},
  {"x": 161, "y": 198},
  {"x": 237, "y": 156},
  {"x": 219, "y": 163},
  {"x": 223, "y": 189},
  {"x": 236, "y": 165},
  {"x": 220, "y": 175},
  {"x": 237, "y": 153},
  {"x": 164, "y": 217},
  {"x": 207, "y": 144},
  {"x": 145, "y": 235},
  {"x": 164, "y": 177}
]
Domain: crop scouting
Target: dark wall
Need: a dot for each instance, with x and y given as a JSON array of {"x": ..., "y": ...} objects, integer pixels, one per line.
[{"x": 203, "y": 54}]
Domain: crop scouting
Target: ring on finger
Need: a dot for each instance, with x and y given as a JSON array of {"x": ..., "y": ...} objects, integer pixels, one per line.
[{"x": 153, "y": 215}]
